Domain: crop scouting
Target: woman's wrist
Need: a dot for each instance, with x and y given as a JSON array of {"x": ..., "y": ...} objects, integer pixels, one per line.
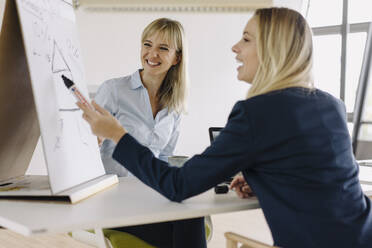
[{"x": 118, "y": 134}]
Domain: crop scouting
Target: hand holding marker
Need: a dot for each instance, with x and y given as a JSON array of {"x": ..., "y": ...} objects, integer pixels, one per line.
[
  {"x": 78, "y": 96},
  {"x": 75, "y": 92}
]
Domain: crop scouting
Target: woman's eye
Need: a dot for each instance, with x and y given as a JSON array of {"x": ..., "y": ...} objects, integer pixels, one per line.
[
  {"x": 147, "y": 44},
  {"x": 164, "y": 48},
  {"x": 246, "y": 40}
]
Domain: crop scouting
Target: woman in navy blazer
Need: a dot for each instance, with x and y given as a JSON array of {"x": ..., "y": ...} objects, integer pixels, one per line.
[{"x": 289, "y": 140}]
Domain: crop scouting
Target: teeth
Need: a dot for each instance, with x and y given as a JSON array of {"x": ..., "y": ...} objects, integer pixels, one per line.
[
  {"x": 239, "y": 62},
  {"x": 152, "y": 63}
]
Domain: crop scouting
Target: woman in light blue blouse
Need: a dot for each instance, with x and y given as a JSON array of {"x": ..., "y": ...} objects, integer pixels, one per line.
[{"x": 149, "y": 102}]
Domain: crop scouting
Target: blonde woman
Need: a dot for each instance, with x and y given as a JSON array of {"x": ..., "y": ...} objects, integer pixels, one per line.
[
  {"x": 149, "y": 103},
  {"x": 289, "y": 140}
]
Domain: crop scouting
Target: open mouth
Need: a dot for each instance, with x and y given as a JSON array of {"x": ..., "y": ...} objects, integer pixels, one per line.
[
  {"x": 152, "y": 64},
  {"x": 240, "y": 64}
]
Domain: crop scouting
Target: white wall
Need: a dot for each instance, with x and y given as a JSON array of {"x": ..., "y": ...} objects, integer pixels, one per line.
[{"x": 110, "y": 45}]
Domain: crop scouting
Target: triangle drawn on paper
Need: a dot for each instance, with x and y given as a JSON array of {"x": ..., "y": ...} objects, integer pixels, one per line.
[{"x": 58, "y": 61}]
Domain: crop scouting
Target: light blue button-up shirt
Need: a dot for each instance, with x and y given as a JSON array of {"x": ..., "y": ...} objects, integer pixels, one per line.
[{"x": 127, "y": 99}]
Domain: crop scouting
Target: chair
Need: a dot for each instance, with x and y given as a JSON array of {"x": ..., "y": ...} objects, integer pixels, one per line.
[
  {"x": 113, "y": 239},
  {"x": 233, "y": 239},
  {"x": 117, "y": 239}
]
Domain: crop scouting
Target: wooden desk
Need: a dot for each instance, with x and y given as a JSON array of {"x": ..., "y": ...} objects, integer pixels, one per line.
[{"x": 128, "y": 203}]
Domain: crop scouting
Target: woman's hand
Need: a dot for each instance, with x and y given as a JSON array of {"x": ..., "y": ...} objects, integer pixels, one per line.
[
  {"x": 102, "y": 123},
  {"x": 241, "y": 187}
]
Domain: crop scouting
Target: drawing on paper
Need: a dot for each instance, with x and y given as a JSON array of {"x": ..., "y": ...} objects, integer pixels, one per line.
[
  {"x": 59, "y": 67},
  {"x": 58, "y": 53}
]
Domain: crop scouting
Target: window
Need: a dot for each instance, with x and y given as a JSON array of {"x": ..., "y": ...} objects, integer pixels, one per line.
[
  {"x": 327, "y": 63},
  {"x": 355, "y": 52},
  {"x": 320, "y": 15},
  {"x": 360, "y": 11},
  {"x": 366, "y": 127},
  {"x": 337, "y": 66}
]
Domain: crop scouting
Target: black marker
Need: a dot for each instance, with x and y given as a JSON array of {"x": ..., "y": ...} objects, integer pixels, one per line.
[{"x": 75, "y": 92}]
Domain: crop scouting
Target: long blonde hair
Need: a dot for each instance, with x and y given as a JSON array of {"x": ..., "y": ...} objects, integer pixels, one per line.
[
  {"x": 284, "y": 50},
  {"x": 173, "y": 91}
]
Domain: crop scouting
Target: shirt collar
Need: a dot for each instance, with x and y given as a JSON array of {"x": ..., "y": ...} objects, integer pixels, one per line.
[{"x": 136, "y": 81}]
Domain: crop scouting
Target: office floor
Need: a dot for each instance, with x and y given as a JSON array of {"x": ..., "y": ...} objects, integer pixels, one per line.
[
  {"x": 10, "y": 239},
  {"x": 249, "y": 223}
]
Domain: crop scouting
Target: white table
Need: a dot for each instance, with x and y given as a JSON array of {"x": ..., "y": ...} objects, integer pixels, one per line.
[{"x": 128, "y": 203}]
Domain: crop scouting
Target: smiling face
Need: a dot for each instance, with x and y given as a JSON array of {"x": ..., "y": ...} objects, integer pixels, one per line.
[
  {"x": 246, "y": 52},
  {"x": 157, "y": 55}
]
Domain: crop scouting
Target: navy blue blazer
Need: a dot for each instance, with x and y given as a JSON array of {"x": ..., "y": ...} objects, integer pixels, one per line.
[{"x": 294, "y": 150}]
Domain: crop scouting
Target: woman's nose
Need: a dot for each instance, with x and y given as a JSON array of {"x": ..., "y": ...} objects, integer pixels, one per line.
[
  {"x": 235, "y": 48},
  {"x": 153, "y": 52}
]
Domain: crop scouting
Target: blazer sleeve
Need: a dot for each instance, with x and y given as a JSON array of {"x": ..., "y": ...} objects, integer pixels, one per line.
[{"x": 230, "y": 153}]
